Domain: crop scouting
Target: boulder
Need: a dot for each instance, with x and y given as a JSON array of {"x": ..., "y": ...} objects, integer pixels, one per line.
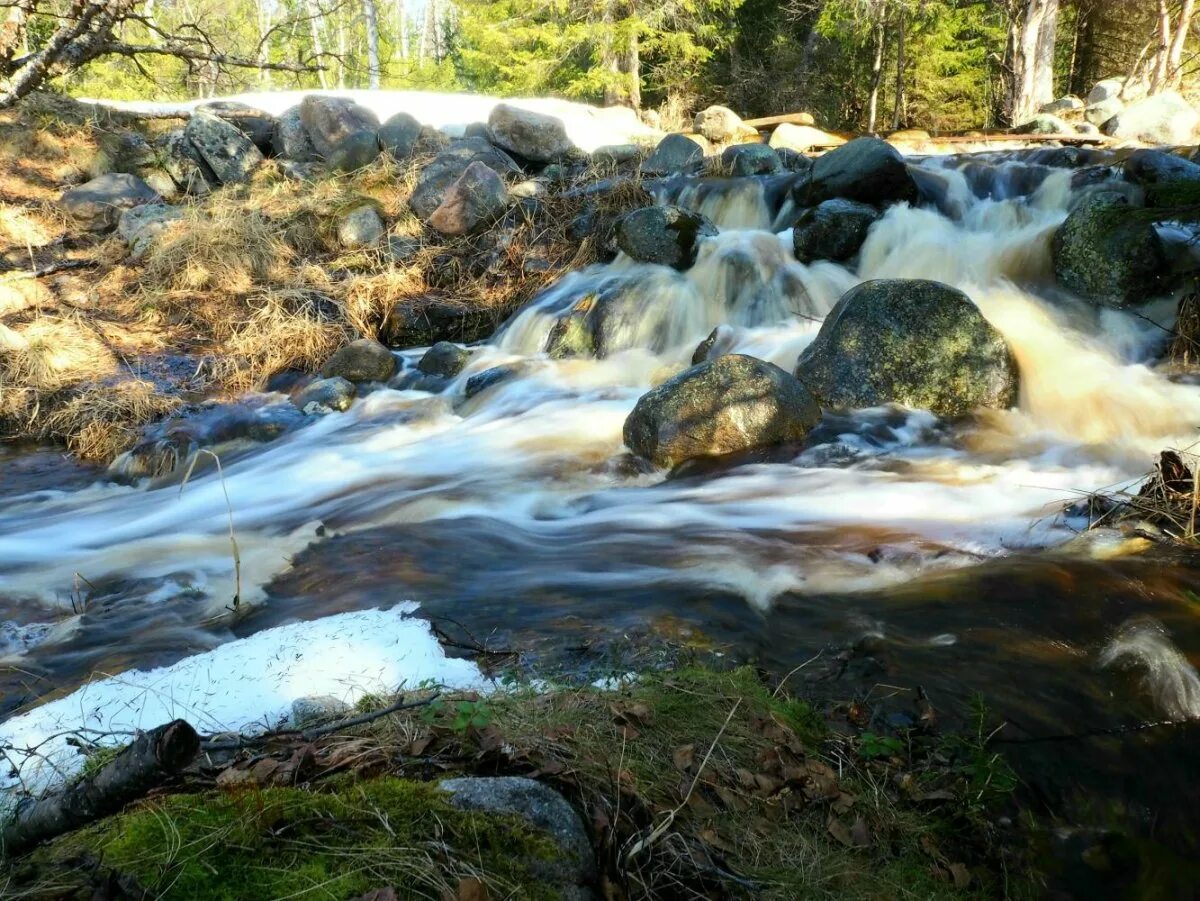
[
  {"x": 344, "y": 134},
  {"x": 536, "y": 137},
  {"x": 1107, "y": 89},
  {"x": 751, "y": 159},
  {"x": 1102, "y": 253},
  {"x": 616, "y": 154},
  {"x": 542, "y": 808},
  {"x": 1086, "y": 128},
  {"x": 674, "y": 154},
  {"x": 914, "y": 342},
  {"x": 473, "y": 202},
  {"x": 1151, "y": 167},
  {"x": 363, "y": 360},
  {"x": 666, "y": 235},
  {"x": 230, "y": 155},
  {"x": 186, "y": 167},
  {"x": 448, "y": 166},
  {"x": 792, "y": 160},
  {"x": 258, "y": 125},
  {"x": 1044, "y": 124},
  {"x": 1165, "y": 118},
  {"x": 325, "y": 395},
  {"x": 723, "y": 406},
  {"x": 290, "y": 139},
  {"x": 802, "y": 138},
  {"x": 866, "y": 169},
  {"x": 142, "y": 226},
  {"x": 1067, "y": 104},
  {"x": 1100, "y": 112},
  {"x": 489, "y": 378},
  {"x": 423, "y": 321},
  {"x": 834, "y": 230},
  {"x": 98, "y": 203},
  {"x": 398, "y": 136},
  {"x": 121, "y": 151},
  {"x": 360, "y": 226},
  {"x": 444, "y": 359},
  {"x": 720, "y": 124}
]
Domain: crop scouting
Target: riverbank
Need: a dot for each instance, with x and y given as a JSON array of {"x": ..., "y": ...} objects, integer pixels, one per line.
[{"x": 688, "y": 782}]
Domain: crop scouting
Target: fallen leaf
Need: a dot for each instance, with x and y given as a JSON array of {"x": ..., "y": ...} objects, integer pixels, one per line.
[
  {"x": 232, "y": 777},
  {"x": 765, "y": 785},
  {"x": 843, "y": 802},
  {"x": 839, "y": 831},
  {"x": 684, "y": 757},
  {"x": 264, "y": 770},
  {"x": 961, "y": 875},
  {"x": 745, "y": 778},
  {"x": 472, "y": 889},
  {"x": 419, "y": 745},
  {"x": 860, "y": 833}
]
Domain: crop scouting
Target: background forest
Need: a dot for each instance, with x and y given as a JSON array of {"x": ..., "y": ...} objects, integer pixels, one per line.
[{"x": 856, "y": 64}]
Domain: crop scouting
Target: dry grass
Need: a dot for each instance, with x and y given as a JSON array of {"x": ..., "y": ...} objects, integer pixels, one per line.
[
  {"x": 99, "y": 421},
  {"x": 1168, "y": 499}
]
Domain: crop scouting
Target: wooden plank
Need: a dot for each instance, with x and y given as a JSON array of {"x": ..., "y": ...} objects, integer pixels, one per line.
[
  {"x": 1007, "y": 138},
  {"x": 785, "y": 119}
]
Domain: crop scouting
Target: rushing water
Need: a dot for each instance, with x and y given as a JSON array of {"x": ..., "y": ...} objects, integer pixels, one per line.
[{"x": 517, "y": 513}]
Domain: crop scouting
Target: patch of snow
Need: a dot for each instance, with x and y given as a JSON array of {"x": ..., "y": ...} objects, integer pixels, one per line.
[
  {"x": 245, "y": 685},
  {"x": 588, "y": 127}
]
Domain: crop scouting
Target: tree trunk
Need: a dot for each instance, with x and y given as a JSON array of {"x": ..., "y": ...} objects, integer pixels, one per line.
[
  {"x": 1158, "y": 71},
  {"x": 342, "y": 49},
  {"x": 1032, "y": 35},
  {"x": 314, "y": 21},
  {"x": 900, "y": 61},
  {"x": 1183, "y": 28},
  {"x": 264, "y": 44},
  {"x": 878, "y": 33},
  {"x": 633, "y": 70},
  {"x": 147, "y": 763},
  {"x": 402, "y": 28},
  {"x": 371, "y": 16}
]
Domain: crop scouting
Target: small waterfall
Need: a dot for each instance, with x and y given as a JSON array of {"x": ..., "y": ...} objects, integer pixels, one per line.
[{"x": 1167, "y": 676}]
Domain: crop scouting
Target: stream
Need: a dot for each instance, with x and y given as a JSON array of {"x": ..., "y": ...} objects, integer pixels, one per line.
[{"x": 942, "y": 549}]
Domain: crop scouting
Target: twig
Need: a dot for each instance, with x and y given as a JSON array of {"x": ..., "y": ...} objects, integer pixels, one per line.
[
  {"x": 1128, "y": 729},
  {"x": 247, "y": 741},
  {"x": 237, "y": 557}
]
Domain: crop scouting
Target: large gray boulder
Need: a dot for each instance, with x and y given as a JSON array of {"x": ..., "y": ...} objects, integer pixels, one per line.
[
  {"x": 344, "y": 134},
  {"x": 1066, "y": 104},
  {"x": 290, "y": 140},
  {"x": 536, "y": 137},
  {"x": 182, "y": 162},
  {"x": 1106, "y": 89},
  {"x": 1103, "y": 253},
  {"x": 98, "y": 203},
  {"x": 1044, "y": 124},
  {"x": 730, "y": 404},
  {"x": 1162, "y": 119},
  {"x": 256, "y": 124},
  {"x": 666, "y": 235},
  {"x": 834, "y": 230},
  {"x": 720, "y": 124},
  {"x": 226, "y": 150},
  {"x": 866, "y": 169},
  {"x": 363, "y": 360},
  {"x": 751, "y": 159},
  {"x": 1102, "y": 110},
  {"x": 914, "y": 342},
  {"x": 542, "y": 808},
  {"x": 674, "y": 154},
  {"x": 449, "y": 165},
  {"x": 398, "y": 136},
  {"x": 472, "y": 203},
  {"x": 142, "y": 226},
  {"x": 1154, "y": 167}
]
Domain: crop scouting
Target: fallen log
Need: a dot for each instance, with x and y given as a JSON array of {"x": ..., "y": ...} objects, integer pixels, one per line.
[{"x": 151, "y": 759}]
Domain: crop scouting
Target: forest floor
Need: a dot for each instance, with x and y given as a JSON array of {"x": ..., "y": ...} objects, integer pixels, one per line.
[{"x": 693, "y": 783}]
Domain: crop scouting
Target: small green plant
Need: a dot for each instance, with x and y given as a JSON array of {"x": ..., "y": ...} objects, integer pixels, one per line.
[
  {"x": 987, "y": 776},
  {"x": 873, "y": 747},
  {"x": 464, "y": 714}
]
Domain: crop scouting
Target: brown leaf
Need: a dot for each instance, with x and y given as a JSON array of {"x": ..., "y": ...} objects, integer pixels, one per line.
[
  {"x": 730, "y": 798},
  {"x": 960, "y": 874},
  {"x": 710, "y": 836},
  {"x": 684, "y": 757},
  {"x": 745, "y": 778},
  {"x": 843, "y": 802},
  {"x": 263, "y": 771},
  {"x": 765, "y": 785},
  {"x": 472, "y": 889},
  {"x": 628, "y": 732},
  {"x": 231, "y": 777},
  {"x": 839, "y": 831},
  {"x": 419, "y": 745},
  {"x": 699, "y": 804},
  {"x": 860, "y": 833}
]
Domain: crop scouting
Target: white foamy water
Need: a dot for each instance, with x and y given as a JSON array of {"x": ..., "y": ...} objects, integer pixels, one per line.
[{"x": 886, "y": 496}]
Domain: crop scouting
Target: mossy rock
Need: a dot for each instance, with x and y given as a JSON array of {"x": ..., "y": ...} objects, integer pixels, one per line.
[
  {"x": 913, "y": 342},
  {"x": 287, "y": 842},
  {"x": 1103, "y": 253}
]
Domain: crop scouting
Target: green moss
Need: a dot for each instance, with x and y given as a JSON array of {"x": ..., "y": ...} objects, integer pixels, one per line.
[
  {"x": 288, "y": 842},
  {"x": 1175, "y": 195}
]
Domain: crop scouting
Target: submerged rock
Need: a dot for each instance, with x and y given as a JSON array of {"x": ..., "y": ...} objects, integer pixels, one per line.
[
  {"x": 834, "y": 230},
  {"x": 730, "y": 404},
  {"x": 325, "y": 395},
  {"x": 914, "y": 342},
  {"x": 666, "y": 235},
  {"x": 98, "y": 204},
  {"x": 1102, "y": 253},
  {"x": 674, "y": 154},
  {"x": 866, "y": 169},
  {"x": 230, "y": 155},
  {"x": 475, "y": 200},
  {"x": 537, "y": 137},
  {"x": 445, "y": 359},
  {"x": 489, "y": 378},
  {"x": 363, "y": 360}
]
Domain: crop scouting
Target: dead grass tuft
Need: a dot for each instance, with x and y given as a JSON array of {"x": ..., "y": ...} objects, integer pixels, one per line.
[
  {"x": 99, "y": 421},
  {"x": 1168, "y": 499}
]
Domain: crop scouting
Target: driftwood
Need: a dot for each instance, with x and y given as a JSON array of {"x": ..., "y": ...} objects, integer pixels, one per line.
[{"x": 145, "y": 764}]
